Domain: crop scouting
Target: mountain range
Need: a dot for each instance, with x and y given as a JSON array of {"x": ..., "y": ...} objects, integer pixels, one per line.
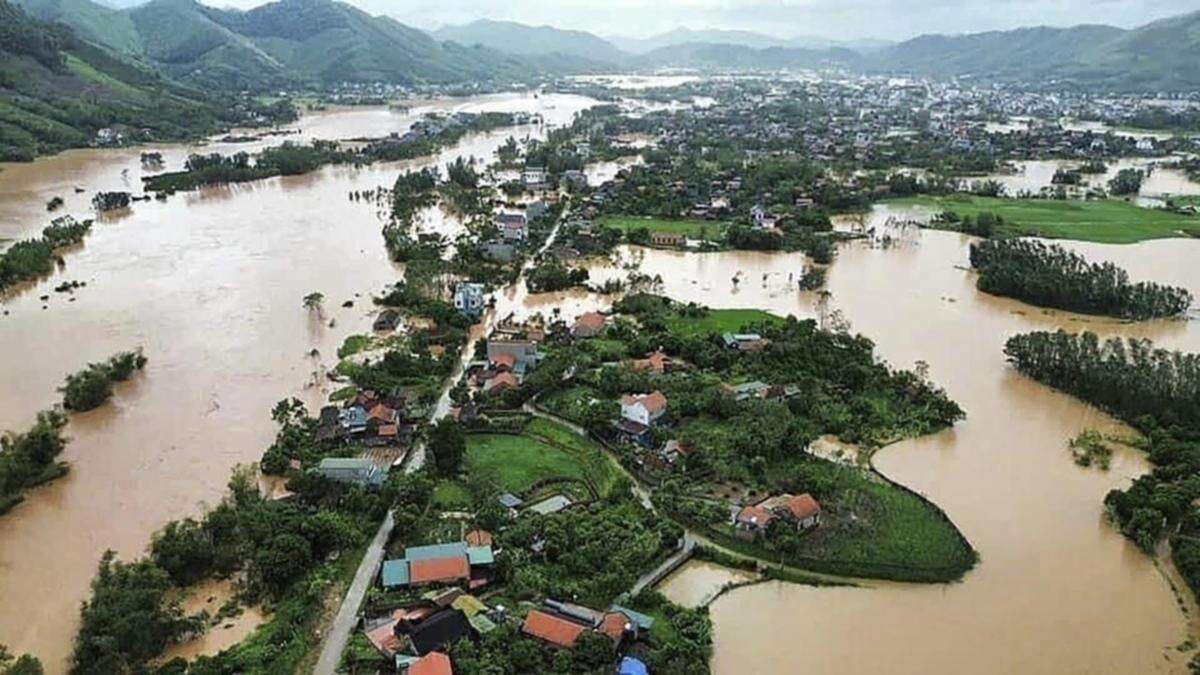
[{"x": 311, "y": 42}]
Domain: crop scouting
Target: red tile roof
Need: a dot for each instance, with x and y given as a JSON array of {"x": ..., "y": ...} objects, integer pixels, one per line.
[
  {"x": 552, "y": 629},
  {"x": 614, "y": 625},
  {"x": 505, "y": 380},
  {"x": 754, "y": 515},
  {"x": 479, "y": 538},
  {"x": 590, "y": 321},
  {"x": 507, "y": 360},
  {"x": 804, "y": 506},
  {"x": 384, "y": 638},
  {"x": 439, "y": 569},
  {"x": 433, "y": 663},
  {"x": 653, "y": 402}
]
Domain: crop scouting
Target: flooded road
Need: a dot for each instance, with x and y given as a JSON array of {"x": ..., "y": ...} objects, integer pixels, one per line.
[
  {"x": 1057, "y": 589},
  {"x": 209, "y": 284}
]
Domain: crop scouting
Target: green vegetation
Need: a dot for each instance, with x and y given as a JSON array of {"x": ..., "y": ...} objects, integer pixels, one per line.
[
  {"x": 27, "y": 664},
  {"x": 690, "y": 323},
  {"x": 58, "y": 91},
  {"x": 693, "y": 229},
  {"x": 28, "y": 460},
  {"x": 1091, "y": 447},
  {"x": 1157, "y": 392},
  {"x": 1102, "y": 221},
  {"x": 289, "y": 554},
  {"x": 1048, "y": 275},
  {"x": 33, "y": 258},
  {"x": 91, "y": 387},
  {"x": 517, "y": 463}
]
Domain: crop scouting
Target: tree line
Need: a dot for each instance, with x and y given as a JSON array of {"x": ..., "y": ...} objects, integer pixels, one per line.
[
  {"x": 1048, "y": 275},
  {"x": 32, "y": 258},
  {"x": 91, "y": 387}
]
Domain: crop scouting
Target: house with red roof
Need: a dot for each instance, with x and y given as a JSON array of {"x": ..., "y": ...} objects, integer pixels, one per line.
[{"x": 643, "y": 408}]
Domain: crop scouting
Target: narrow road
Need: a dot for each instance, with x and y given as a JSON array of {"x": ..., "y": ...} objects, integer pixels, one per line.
[
  {"x": 651, "y": 578},
  {"x": 510, "y": 297}
]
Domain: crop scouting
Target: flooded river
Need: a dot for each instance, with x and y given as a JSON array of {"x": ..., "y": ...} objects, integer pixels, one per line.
[
  {"x": 210, "y": 285},
  {"x": 1057, "y": 589}
]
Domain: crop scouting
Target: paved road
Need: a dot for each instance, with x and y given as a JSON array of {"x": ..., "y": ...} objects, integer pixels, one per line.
[
  {"x": 347, "y": 617},
  {"x": 649, "y": 579}
]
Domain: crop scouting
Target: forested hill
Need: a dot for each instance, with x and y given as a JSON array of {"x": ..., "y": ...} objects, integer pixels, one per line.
[
  {"x": 57, "y": 91},
  {"x": 284, "y": 43},
  {"x": 1156, "y": 57}
]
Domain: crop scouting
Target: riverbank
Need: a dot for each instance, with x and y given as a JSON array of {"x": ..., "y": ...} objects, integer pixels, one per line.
[{"x": 1106, "y": 221}]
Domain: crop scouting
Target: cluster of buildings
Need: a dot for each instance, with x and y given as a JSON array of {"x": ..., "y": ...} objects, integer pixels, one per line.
[
  {"x": 380, "y": 427},
  {"x": 751, "y": 521}
]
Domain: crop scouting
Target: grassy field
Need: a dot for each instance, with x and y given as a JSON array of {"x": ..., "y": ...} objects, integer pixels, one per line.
[
  {"x": 718, "y": 321},
  {"x": 1105, "y": 221},
  {"x": 451, "y": 496},
  {"x": 687, "y": 227},
  {"x": 515, "y": 463}
]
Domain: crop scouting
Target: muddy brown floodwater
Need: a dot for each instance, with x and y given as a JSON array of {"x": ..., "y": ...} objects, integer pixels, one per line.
[
  {"x": 1057, "y": 590},
  {"x": 210, "y": 285}
]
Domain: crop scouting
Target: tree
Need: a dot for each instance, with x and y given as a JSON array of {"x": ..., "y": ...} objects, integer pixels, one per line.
[
  {"x": 448, "y": 446},
  {"x": 314, "y": 302},
  {"x": 282, "y": 560}
]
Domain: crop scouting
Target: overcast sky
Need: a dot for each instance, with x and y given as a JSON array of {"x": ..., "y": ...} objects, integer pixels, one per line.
[{"x": 839, "y": 19}]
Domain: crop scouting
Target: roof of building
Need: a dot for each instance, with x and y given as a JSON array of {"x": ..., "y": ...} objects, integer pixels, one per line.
[
  {"x": 653, "y": 402},
  {"x": 803, "y": 506},
  {"x": 433, "y": 663},
  {"x": 632, "y": 666},
  {"x": 553, "y": 629},
  {"x": 457, "y": 548},
  {"x": 479, "y": 537},
  {"x": 482, "y": 623},
  {"x": 480, "y": 555},
  {"x": 631, "y": 427},
  {"x": 504, "y": 380},
  {"x": 440, "y": 630},
  {"x": 383, "y": 637},
  {"x": 551, "y": 505},
  {"x": 346, "y": 463},
  {"x": 591, "y": 320},
  {"x": 504, "y": 360},
  {"x": 439, "y": 569},
  {"x": 469, "y": 605},
  {"x": 509, "y": 500},
  {"x": 754, "y": 515},
  {"x": 643, "y": 621},
  {"x": 395, "y": 573},
  {"x": 614, "y": 624}
]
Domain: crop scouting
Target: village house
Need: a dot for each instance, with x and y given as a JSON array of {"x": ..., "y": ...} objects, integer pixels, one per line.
[
  {"x": 456, "y": 563},
  {"x": 561, "y": 624},
  {"x": 513, "y": 226},
  {"x": 643, "y": 408},
  {"x": 536, "y": 209},
  {"x": 387, "y": 320},
  {"x": 673, "y": 239},
  {"x": 519, "y": 356},
  {"x": 352, "y": 470},
  {"x": 469, "y": 299},
  {"x": 802, "y": 510},
  {"x": 589, "y": 325},
  {"x": 658, "y": 363},
  {"x": 574, "y": 179},
  {"x": 746, "y": 342},
  {"x": 534, "y": 177},
  {"x": 498, "y": 251}
]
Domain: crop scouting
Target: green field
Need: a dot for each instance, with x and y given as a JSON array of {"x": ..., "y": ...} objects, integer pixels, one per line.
[
  {"x": 718, "y": 321},
  {"x": 1105, "y": 221},
  {"x": 548, "y": 450},
  {"x": 686, "y": 227}
]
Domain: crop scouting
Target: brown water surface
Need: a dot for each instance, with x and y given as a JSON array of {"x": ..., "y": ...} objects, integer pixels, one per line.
[
  {"x": 209, "y": 284},
  {"x": 1057, "y": 590}
]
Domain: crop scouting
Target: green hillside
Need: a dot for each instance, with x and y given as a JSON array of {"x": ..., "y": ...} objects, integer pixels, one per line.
[
  {"x": 90, "y": 21},
  {"x": 57, "y": 91},
  {"x": 1155, "y": 57},
  {"x": 516, "y": 38}
]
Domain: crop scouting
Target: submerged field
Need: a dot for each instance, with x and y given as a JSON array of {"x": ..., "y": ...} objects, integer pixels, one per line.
[{"x": 1107, "y": 221}]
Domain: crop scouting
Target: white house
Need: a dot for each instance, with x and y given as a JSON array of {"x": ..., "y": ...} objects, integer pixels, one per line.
[{"x": 643, "y": 408}]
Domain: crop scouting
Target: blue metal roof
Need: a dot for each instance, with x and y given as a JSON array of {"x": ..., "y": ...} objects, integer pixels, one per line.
[
  {"x": 395, "y": 573},
  {"x": 453, "y": 550},
  {"x": 480, "y": 555},
  {"x": 632, "y": 666}
]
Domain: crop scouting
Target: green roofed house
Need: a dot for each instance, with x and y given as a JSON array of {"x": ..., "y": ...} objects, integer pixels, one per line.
[
  {"x": 643, "y": 621},
  {"x": 480, "y": 555},
  {"x": 352, "y": 470}
]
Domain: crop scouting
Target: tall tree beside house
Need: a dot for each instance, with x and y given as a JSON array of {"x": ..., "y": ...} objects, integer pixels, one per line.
[{"x": 448, "y": 446}]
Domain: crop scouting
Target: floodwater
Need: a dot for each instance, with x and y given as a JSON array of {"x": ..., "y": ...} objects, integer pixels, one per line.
[
  {"x": 1032, "y": 176},
  {"x": 209, "y": 284},
  {"x": 698, "y": 582},
  {"x": 1057, "y": 589}
]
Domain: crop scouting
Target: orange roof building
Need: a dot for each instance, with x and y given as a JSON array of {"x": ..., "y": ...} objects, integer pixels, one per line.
[
  {"x": 433, "y": 663},
  {"x": 479, "y": 537},
  {"x": 440, "y": 570},
  {"x": 553, "y": 629},
  {"x": 614, "y": 625}
]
